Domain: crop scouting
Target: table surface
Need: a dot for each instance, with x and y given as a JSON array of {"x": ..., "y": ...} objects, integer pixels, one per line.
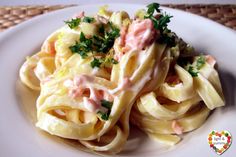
[
  {"x": 55, "y": 2},
  {"x": 222, "y": 13}
]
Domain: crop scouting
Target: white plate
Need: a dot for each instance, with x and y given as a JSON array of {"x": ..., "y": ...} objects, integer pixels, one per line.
[{"x": 18, "y": 135}]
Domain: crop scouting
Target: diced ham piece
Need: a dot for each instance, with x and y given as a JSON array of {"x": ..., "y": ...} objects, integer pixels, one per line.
[
  {"x": 92, "y": 97},
  {"x": 91, "y": 105},
  {"x": 137, "y": 36},
  {"x": 78, "y": 80},
  {"x": 76, "y": 91},
  {"x": 123, "y": 33},
  {"x": 173, "y": 80},
  {"x": 140, "y": 34},
  {"x": 108, "y": 97},
  {"x": 210, "y": 60},
  {"x": 49, "y": 47},
  {"x": 76, "y": 85},
  {"x": 178, "y": 129},
  {"x": 96, "y": 95}
]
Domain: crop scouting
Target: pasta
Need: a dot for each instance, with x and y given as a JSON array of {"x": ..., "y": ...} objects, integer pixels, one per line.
[{"x": 96, "y": 75}]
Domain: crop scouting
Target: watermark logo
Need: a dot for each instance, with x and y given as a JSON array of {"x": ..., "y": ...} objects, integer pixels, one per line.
[{"x": 219, "y": 141}]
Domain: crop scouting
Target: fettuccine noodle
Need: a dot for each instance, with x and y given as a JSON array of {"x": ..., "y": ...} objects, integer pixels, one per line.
[{"x": 97, "y": 74}]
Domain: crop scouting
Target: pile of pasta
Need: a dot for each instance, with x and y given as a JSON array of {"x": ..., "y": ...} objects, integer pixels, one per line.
[{"x": 147, "y": 87}]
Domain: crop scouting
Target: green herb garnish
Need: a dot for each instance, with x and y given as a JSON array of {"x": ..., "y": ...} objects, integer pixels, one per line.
[
  {"x": 152, "y": 8},
  {"x": 167, "y": 37},
  {"x": 88, "y": 19},
  {"x": 82, "y": 47},
  {"x": 104, "y": 115},
  {"x": 101, "y": 29},
  {"x": 160, "y": 23},
  {"x": 105, "y": 41},
  {"x": 101, "y": 43},
  {"x": 200, "y": 62},
  {"x": 77, "y": 49},
  {"x": 193, "y": 68},
  {"x": 108, "y": 106},
  {"x": 96, "y": 63},
  {"x": 163, "y": 21},
  {"x": 73, "y": 23},
  {"x": 192, "y": 71},
  {"x": 113, "y": 61}
]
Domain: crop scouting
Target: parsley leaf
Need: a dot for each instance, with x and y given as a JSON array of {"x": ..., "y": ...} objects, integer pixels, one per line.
[
  {"x": 193, "y": 68},
  {"x": 73, "y": 23},
  {"x": 167, "y": 37},
  {"x": 108, "y": 61},
  {"x": 104, "y": 116},
  {"x": 101, "y": 29},
  {"x": 88, "y": 19},
  {"x": 200, "y": 62},
  {"x": 113, "y": 61},
  {"x": 192, "y": 71},
  {"x": 82, "y": 47},
  {"x": 108, "y": 106},
  {"x": 101, "y": 43},
  {"x": 163, "y": 21},
  {"x": 76, "y": 49},
  {"x": 96, "y": 63},
  {"x": 160, "y": 23},
  {"x": 82, "y": 37},
  {"x": 105, "y": 42},
  {"x": 152, "y": 7}
]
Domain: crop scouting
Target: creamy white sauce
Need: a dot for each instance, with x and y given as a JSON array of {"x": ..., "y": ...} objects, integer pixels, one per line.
[
  {"x": 91, "y": 105},
  {"x": 40, "y": 71}
]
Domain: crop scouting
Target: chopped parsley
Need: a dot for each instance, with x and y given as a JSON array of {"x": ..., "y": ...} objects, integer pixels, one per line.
[
  {"x": 183, "y": 61},
  {"x": 192, "y": 71},
  {"x": 77, "y": 49},
  {"x": 152, "y": 8},
  {"x": 88, "y": 19},
  {"x": 113, "y": 61},
  {"x": 82, "y": 47},
  {"x": 105, "y": 41},
  {"x": 96, "y": 63},
  {"x": 167, "y": 37},
  {"x": 194, "y": 68},
  {"x": 108, "y": 105},
  {"x": 200, "y": 62},
  {"x": 101, "y": 43},
  {"x": 73, "y": 23},
  {"x": 104, "y": 115},
  {"x": 160, "y": 23},
  {"x": 101, "y": 29}
]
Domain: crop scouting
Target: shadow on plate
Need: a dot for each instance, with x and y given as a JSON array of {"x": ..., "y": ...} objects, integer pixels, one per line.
[{"x": 228, "y": 81}]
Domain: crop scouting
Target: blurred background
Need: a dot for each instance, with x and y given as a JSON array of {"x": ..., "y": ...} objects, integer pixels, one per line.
[
  {"x": 13, "y": 12},
  {"x": 55, "y": 2}
]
